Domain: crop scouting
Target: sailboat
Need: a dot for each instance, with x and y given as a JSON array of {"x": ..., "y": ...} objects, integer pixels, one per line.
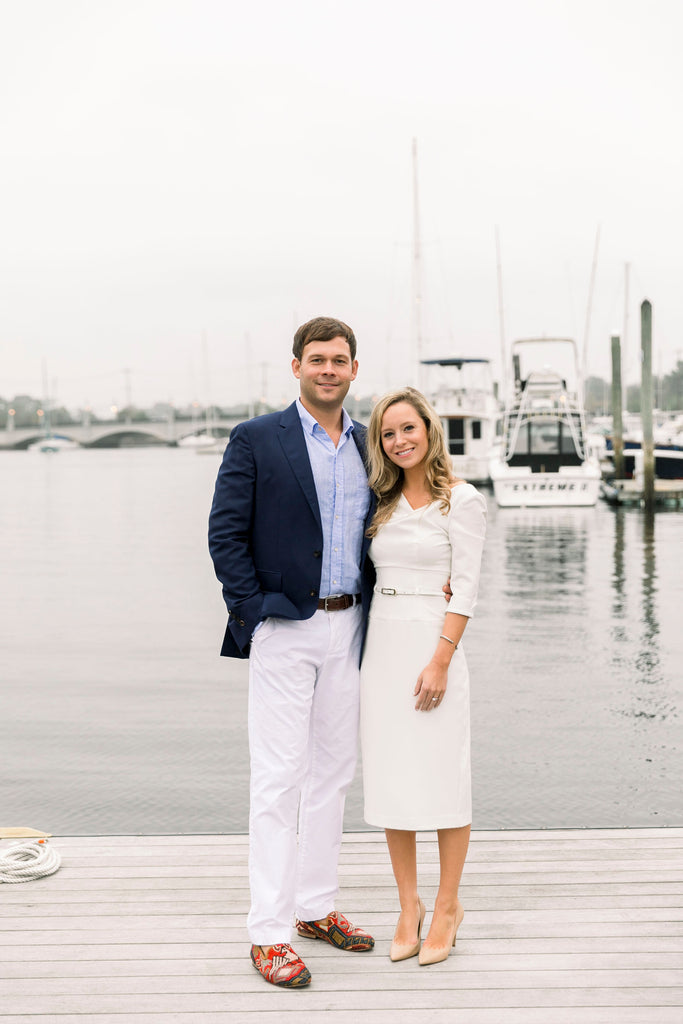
[
  {"x": 50, "y": 442},
  {"x": 460, "y": 388}
]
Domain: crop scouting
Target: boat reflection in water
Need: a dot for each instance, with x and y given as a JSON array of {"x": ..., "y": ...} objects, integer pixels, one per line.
[{"x": 576, "y": 687}]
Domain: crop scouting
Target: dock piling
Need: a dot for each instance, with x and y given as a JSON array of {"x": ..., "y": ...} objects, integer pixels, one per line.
[
  {"x": 617, "y": 425},
  {"x": 646, "y": 402}
]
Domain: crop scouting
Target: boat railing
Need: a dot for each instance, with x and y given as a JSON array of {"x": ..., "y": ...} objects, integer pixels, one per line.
[
  {"x": 535, "y": 401},
  {"x": 449, "y": 401}
]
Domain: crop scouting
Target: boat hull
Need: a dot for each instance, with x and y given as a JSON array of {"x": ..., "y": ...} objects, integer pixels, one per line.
[
  {"x": 473, "y": 468},
  {"x": 668, "y": 459},
  {"x": 53, "y": 444},
  {"x": 518, "y": 487}
]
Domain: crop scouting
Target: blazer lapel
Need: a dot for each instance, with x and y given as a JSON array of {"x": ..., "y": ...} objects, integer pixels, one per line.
[
  {"x": 294, "y": 446},
  {"x": 359, "y": 435}
]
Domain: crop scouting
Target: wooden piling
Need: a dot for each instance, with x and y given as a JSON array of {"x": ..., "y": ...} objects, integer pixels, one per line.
[
  {"x": 646, "y": 401},
  {"x": 617, "y": 403}
]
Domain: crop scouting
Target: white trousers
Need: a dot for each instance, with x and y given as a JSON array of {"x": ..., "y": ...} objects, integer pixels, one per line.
[{"x": 303, "y": 738}]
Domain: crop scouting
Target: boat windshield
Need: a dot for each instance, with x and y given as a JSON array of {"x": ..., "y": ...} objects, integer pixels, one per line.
[{"x": 541, "y": 438}]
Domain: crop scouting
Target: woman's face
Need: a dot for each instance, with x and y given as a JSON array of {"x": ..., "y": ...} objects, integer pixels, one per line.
[{"x": 404, "y": 436}]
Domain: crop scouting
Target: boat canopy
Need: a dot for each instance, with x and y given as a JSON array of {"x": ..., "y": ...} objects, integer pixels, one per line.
[{"x": 455, "y": 361}]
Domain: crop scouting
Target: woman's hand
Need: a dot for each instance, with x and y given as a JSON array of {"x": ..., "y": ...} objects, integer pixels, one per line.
[{"x": 431, "y": 686}]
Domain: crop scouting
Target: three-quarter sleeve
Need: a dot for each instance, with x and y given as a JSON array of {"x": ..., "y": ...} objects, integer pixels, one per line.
[{"x": 466, "y": 531}]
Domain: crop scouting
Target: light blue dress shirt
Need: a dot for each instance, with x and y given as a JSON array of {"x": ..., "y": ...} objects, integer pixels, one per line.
[{"x": 341, "y": 485}]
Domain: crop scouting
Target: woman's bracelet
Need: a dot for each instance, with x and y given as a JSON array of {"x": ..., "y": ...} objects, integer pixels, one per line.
[{"x": 444, "y": 637}]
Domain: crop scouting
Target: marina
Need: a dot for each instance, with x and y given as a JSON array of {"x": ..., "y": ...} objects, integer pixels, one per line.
[
  {"x": 567, "y": 927},
  {"x": 574, "y": 885},
  {"x": 135, "y": 724}
]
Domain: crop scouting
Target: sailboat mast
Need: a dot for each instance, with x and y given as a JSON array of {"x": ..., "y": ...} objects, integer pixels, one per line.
[
  {"x": 624, "y": 337},
  {"x": 208, "y": 411},
  {"x": 501, "y": 318},
  {"x": 417, "y": 275},
  {"x": 589, "y": 310}
]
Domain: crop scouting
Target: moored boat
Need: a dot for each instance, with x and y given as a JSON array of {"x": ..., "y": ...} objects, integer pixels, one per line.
[
  {"x": 544, "y": 458},
  {"x": 53, "y": 443},
  {"x": 463, "y": 394},
  {"x": 667, "y": 442}
]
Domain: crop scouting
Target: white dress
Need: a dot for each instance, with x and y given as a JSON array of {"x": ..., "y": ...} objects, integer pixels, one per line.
[{"x": 416, "y": 764}]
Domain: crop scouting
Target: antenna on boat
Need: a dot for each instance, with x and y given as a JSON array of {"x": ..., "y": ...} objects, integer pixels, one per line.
[
  {"x": 624, "y": 333},
  {"x": 417, "y": 275},
  {"x": 208, "y": 412},
  {"x": 589, "y": 309},
  {"x": 501, "y": 317}
]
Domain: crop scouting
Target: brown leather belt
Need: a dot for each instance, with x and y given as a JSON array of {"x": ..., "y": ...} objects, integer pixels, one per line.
[{"x": 338, "y": 604}]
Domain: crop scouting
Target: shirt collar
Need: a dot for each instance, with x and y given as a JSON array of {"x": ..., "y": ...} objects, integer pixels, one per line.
[{"x": 309, "y": 423}]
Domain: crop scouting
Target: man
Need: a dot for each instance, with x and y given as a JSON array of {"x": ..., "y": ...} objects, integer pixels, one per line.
[{"x": 287, "y": 538}]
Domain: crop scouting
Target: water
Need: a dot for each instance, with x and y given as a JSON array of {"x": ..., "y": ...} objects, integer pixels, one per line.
[{"x": 118, "y": 716}]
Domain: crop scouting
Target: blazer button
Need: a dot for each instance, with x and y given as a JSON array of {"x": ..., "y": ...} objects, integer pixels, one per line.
[
  {"x": 312, "y": 593},
  {"x": 317, "y": 554},
  {"x": 242, "y": 622}
]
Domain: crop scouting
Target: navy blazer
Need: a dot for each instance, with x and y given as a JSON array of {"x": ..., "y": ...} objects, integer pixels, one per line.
[{"x": 265, "y": 532}]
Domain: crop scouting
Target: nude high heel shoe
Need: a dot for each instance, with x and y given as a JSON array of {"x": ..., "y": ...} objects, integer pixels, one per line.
[
  {"x": 399, "y": 951},
  {"x": 435, "y": 954}
]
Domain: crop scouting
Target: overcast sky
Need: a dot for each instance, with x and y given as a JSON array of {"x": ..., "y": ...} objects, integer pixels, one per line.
[{"x": 183, "y": 182}]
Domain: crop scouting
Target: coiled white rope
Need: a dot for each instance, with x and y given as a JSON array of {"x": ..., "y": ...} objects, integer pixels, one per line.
[{"x": 22, "y": 862}]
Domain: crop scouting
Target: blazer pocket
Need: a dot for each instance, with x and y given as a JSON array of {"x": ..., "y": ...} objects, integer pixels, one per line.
[{"x": 271, "y": 582}]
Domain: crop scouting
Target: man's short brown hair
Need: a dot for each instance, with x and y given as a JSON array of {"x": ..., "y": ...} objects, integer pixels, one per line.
[{"x": 322, "y": 328}]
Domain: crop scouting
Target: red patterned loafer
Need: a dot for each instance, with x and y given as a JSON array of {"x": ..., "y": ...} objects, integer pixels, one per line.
[
  {"x": 280, "y": 965},
  {"x": 339, "y": 932}
]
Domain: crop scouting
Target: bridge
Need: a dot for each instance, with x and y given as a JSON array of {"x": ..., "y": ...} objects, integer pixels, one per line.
[{"x": 117, "y": 434}]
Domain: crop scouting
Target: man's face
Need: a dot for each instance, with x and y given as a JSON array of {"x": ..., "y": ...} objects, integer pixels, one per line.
[{"x": 325, "y": 373}]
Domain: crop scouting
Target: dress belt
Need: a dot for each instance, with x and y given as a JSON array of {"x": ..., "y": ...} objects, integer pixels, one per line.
[
  {"x": 417, "y": 592},
  {"x": 338, "y": 603}
]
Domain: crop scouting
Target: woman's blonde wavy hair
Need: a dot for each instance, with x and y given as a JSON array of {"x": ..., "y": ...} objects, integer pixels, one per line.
[{"x": 386, "y": 478}]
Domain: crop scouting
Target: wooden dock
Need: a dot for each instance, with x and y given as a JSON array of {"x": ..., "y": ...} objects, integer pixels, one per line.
[
  {"x": 630, "y": 492},
  {"x": 561, "y": 927}
]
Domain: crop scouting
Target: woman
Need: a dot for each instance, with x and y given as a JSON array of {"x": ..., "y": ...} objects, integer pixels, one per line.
[{"x": 415, "y": 735}]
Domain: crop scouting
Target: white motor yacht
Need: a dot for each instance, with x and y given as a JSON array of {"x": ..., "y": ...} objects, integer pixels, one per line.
[
  {"x": 544, "y": 458},
  {"x": 463, "y": 394}
]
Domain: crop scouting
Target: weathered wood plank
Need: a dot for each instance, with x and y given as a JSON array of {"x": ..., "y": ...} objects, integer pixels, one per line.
[
  {"x": 667, "y": 870},
  {"x": 146, "y": 934},
  {"x": 481, "y": 920},
  {"x": 69, "y": 881},
  {"x": 371, "y": 835},
  {"x": 161, "y": 905},
  {"x": 427, "y": 998},
  {"x": 238, "y": 949},
  {"x": 379, "y": 980},
  {"x": 83, "y": 970},
  {"x": 367, "y": 843},
  {"x": 509, "y": 1015},
  {"x": 381, "y": 896},
  {"x": 145, "y": 862}
]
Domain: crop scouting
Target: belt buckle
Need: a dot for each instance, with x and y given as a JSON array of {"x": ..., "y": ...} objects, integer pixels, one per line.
[
  {"x": 388, "y": 590},
  {"x": 329, "y": 598}
]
